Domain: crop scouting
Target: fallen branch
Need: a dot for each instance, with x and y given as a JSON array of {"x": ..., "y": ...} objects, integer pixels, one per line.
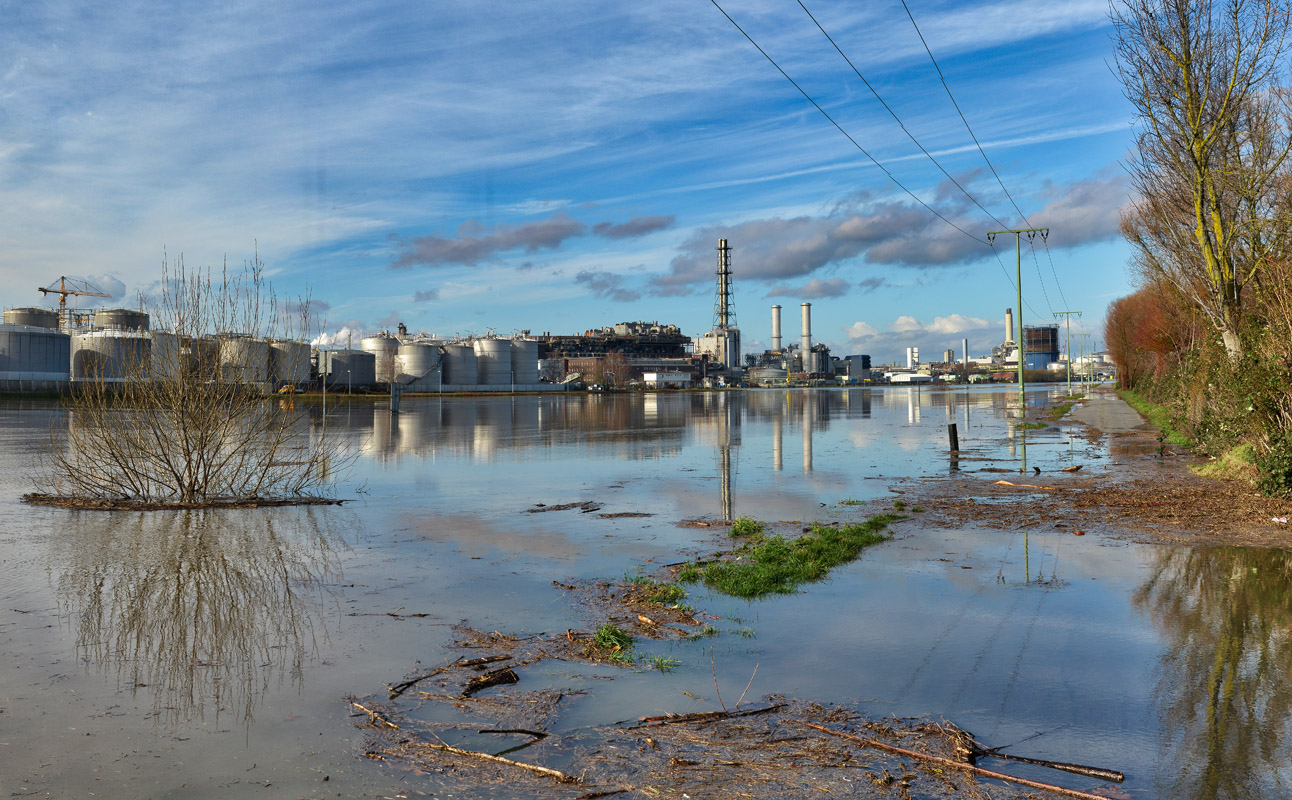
[
  {"x": 448, "y": 748},
  {"x": 377, "y": 716},
  {"x": 946, "y": 762},
  {"x": 1077, "y": 769},
  {"x": 493, "y": 678},
  {"x": 700, "y": 716},
  {"x": 398, "y": 689},
  {"x": 1027, "y": 486},
  {"x": 526, "y": 731}
]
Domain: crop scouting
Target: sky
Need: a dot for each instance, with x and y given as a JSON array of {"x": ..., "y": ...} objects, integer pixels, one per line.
[{"x": 463, "y": 167}]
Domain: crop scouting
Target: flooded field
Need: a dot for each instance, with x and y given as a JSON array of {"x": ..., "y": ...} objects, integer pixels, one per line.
[{"x": 210, "y": 654}]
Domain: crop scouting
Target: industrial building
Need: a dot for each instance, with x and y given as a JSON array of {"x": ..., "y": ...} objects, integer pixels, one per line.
[
  {"x": 805, "y": 361},
  {"x": 722, "y": 343}
]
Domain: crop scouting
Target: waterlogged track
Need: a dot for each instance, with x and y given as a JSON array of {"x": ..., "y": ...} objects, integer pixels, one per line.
[{"x": 212, "y": 654}]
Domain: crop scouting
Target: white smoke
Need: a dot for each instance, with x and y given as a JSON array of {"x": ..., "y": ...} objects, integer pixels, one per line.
[{"x": 347, "y": 336}]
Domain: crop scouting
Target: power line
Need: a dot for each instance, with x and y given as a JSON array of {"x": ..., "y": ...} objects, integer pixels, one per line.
[
  {"x": 1032, "y": 245},
  {"x": 855, "y": 143},
  {"x": 897, "y": 119}
]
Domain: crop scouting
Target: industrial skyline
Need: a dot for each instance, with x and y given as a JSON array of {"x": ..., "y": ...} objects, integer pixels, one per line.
[{"x": 570, "y": 166}]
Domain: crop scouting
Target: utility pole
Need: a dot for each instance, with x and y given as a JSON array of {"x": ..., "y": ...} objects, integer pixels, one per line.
[
  {"x": 1022, "y": 346},
  {"x": 1083, "y": 337},
  {"x": 1068, "y": 316}
]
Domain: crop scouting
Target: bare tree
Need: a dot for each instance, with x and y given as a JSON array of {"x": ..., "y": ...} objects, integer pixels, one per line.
[
  {"x": 185, "y": 417},
  {"x": 1212, "y": 146}
]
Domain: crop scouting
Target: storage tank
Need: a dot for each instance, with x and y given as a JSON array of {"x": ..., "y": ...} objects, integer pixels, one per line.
[
  {"x": 244, "y": 359},
  {"x": 200, "y": 358},
  {"x": 385, "y": 348},
  {"x": 460, "y": 365},
  {"x": 493, "y": 357},
  {"x": 165, "y": 354},
  {"x": 416, "y": 360},
  {"x": 33, "y": 353},
  {"x": 120, "y": 319},
  {"x": 289, "y": 361},
  {"x": 110, "y": 355},
  {"x": 34, "y": 317},
  {"x": 524, "y": 362},
  {"x": 350, "y": 368}
]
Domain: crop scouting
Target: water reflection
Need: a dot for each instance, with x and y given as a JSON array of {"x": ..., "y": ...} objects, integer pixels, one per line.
[
  {"x": 1225, "y": 695},
  {"x": 203, "y": 609}
]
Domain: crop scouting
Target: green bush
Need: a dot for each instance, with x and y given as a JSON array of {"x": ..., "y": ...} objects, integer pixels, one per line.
[{"x": 1274, "y": 467}]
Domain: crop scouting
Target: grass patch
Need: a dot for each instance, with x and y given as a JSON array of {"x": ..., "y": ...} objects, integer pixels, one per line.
[
  {"x": 744, "y": 526},
  {"x": 1237, "y": 463},
  {"x": 777, "y": 565},
  {"x": 664, "y": 664},
  {"x": 653, "y": 591},
  {"x": 1060, "y": 410},
  {"x": 851, "y": 501},
  {"x": 611, "y": 643},
  {"x": 1031, "y": 426},
  {"x": 900, "y": 505},
  {"x": 705, "y": 632},
  {"x": 917, "y": 510},
  {"x": 1158, "y": 416}
]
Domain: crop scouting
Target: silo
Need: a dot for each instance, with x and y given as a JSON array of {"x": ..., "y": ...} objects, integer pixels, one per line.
[
  {"x": 289, "y": 361},
  {"x": 33, "y": 358},
  {"x": 350, "y": 368},
  {"x": 110, "y": 356},
  {"x": 416, "y": 360},
  {"x": 201, "y": 358},
  {"x": 120, "y": 319},
  {"x": 384, "y": 348},
  {"x": 460, "y": 365},
  {"x": 524, "y": 362},
  {"x": 244, "y": 359},
  {"x": 494, "y": 359},
  {"x": 165, "y": 355},
  {"x": 35, "y": 317}
]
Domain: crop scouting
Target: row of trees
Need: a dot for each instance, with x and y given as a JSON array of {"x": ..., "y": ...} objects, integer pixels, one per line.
[{"x": 1210, "y": 327}]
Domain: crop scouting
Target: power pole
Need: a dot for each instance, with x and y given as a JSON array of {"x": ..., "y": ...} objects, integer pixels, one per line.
[
  {"x": 1083, "y": 337},
  {"x": 1068, "y": 316},
  {"x": 1022, "y": 346}
]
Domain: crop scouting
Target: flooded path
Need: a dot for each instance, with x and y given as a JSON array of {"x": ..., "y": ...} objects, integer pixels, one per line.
[{"x": 202, "y": 654}]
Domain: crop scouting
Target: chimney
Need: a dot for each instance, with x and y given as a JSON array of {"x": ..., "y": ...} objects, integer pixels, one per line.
[
  {"x": 776, "y": 328},
  {"x": 807, "y": 332},
  {"x": 1009, "y": 326}
]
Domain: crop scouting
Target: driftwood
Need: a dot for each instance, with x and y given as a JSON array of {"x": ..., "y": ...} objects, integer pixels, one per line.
[
  {"x": 1078, "y": 769},
  {"x": 492, "y": 678},
  {"x": 400, "y": 688},
  {"x": 376, "y": 716},
  {"x": 701, "y": 716},
  {"x": 448, "y": 748},
  {"x": 1027, "y": 486},
  {"x": 946, "y": 762},
  {"x": 526, "y": 731}
]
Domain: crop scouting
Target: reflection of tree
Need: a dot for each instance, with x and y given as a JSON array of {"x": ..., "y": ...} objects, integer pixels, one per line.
[
  {"x": 1224, "y": 693},
  {"x": 204, "y": 608}
]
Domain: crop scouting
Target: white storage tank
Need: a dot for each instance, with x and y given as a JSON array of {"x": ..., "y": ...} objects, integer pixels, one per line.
[
  {"x": 33, "y": 358},
  {"x": 349, "y": 368},
  {"x": 120, "y": 319},
  {"x": 460, "y": 365},
  {"x": 416, "y": 360},
  {"x": 493, "y": 357},
  {"x": 34, "y": 317},
  {"x": 165, "y": 355},
  {"x": 244, "y": 359},
  {"x": 289, "y": 361},
  {"x": 524, "y": 361},
  {"x": 111, "y": 356},
  {"x": 385, "y": 348}
]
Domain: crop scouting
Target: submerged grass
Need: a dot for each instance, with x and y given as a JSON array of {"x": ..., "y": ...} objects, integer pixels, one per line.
[
  {"x": 776, "y": 565},
  {"x": 653, "y": 591}
]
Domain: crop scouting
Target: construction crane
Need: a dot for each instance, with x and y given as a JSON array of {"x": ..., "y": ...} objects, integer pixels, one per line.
[{"x": 72, "y": 286}]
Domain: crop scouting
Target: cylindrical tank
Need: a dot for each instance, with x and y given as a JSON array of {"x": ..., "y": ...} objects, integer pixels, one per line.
[
  {"x": 460, "y": 365},
  {"x": 120, "y": 319},
  {"x": 416, "y": 360},
  {"x": 34, "y": 353},
  {"x": 244, "y": 359},
  {"x": 200, "y": 358},
  {"x": 165, "y": 355},
  {"x": 494, "y": 359},
  {"x": 807, "y": 327},
  {"x": 350, "y": 368},
  {"x": 524, "y": 362},
  {"x": 385, "y": 348},
  {"x": 35, "y": 317},
  {"x": 289, "y": 361},
  {"x": 111, "y": 356}
]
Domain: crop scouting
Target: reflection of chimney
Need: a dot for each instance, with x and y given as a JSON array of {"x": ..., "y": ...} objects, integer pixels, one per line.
[
  {"x": 776, "y": 328},
  {"x": 1009, "y": 325},
  {"x": 807, "y": 331}
]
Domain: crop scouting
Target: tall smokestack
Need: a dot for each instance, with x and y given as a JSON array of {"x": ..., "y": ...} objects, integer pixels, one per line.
[
  {"x": 807, "y": 333},
  {"x": 776, "y": 328},
  {"x": 1009, "y": 325}
]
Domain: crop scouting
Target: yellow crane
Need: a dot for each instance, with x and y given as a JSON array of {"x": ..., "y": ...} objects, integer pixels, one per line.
[{"x": 72, "y": 286}]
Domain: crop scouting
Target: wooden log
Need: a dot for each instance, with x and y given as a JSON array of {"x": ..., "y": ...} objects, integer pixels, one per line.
[
  {"x": 953, "y": 436},
  {"x": 493, "y": 678},
  {"x": 376, "y": 716},
  {"x": 701, "y": 716},
  {"x": 1076, "y": 769},
  {"x": 552, "y": 773},
  {"x": 946, "y": 762},
  {"x": 400, "y": 688}
]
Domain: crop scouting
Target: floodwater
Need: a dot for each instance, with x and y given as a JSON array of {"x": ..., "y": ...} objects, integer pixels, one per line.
[{"x": 208, "y": 654}]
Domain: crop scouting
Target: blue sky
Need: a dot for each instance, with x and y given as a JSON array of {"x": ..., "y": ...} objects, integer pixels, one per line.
[{"x": 559, "y": 166}]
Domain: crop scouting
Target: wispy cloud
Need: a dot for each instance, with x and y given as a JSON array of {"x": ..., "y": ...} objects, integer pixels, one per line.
[{"x": 639, "y": 226}]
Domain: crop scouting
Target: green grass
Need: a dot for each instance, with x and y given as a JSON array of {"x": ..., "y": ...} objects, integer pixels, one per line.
[
  {"x": 744, "y": 526},
  {"x": 617, "y": 642},
  {"x": 1060, "y": 410},
  {"x": 851, "y": 501},
  {"x": 1158, "y": 416},
  {"x": 917, "y": 510},
  {"x": 690, "y": 573},
  {"x": 664, "y": 664},
  {"x": 1031, "y": 426},
  {"x": 653, "y": 591},
  {"x": 900, "y": 505},
  {"x": 777, "y": 565},
  {"x": 1237, "y": 463},
  {"x": 747, "y": 633}
]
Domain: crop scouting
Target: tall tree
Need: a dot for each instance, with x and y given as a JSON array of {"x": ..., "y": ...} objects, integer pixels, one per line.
[{"x": 1212, "y": 146}]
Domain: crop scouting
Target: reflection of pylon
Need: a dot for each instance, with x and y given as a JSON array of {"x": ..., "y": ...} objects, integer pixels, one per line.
[{"x": 723, "y": 317}]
